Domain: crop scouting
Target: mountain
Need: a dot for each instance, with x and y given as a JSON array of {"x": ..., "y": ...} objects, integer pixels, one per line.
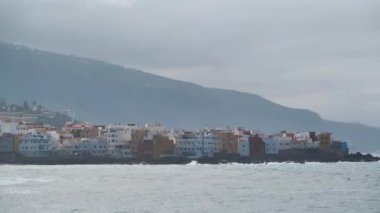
[{"x": 101, "y": 92}]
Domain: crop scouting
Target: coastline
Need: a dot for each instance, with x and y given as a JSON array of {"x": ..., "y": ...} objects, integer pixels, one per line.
[{"x": 357, "y": 157}]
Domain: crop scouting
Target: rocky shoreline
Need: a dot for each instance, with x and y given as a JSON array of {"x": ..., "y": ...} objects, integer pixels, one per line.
[{"x": 291, "y": 158}]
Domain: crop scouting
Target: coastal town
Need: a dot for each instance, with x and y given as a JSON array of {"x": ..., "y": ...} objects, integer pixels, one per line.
[
  {"x": 24, "y": 139},
  {"x": 152, "y": 142}
]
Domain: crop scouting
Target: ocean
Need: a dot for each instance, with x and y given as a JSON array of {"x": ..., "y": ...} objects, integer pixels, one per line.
[{"x": 272, "y": 187}]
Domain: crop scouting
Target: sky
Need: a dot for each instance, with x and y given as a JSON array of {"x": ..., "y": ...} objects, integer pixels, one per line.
[{"x": 310, "y": 54}]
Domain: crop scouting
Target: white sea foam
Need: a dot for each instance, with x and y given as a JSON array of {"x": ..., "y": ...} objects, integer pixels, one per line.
[{"x": 193, "y": 163}]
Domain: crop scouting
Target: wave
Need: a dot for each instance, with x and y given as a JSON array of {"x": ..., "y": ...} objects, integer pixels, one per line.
[{"x": 193, "y": 163}]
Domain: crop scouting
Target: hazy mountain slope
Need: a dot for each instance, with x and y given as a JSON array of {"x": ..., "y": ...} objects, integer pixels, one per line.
[{"x": 102, "y": 92}]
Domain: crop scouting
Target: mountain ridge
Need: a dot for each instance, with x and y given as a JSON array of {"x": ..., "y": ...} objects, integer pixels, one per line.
[{"x": 99, "y": 91}]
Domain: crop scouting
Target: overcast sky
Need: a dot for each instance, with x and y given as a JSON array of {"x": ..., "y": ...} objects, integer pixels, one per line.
[{"x": 314, "y": 54}]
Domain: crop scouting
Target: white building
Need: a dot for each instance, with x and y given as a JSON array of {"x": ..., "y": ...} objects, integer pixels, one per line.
[
  {"x": 8, "y": 127},
  {"x": 196, "y": 144},
  {"x": 85, "y": 147},
  {"x": 302, "y": 140},
  {"x": 154, "y": 128},
  {"x": 13, "y": 127},
  {"x": 22, "y": 128},
  {"x": 119, "y": 138},
  {"x": 243, "y": 146},
  {"x": 273, "y": 144},
  {"x": 36, "y": 145},
  {"x": 117, "y": 134}
]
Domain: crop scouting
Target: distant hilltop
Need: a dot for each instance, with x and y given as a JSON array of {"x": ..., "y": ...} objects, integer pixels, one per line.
[{"x": 101, "y": 92}]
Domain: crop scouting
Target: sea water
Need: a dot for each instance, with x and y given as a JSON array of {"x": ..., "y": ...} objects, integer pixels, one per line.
[{"x": 272, "y": 187}]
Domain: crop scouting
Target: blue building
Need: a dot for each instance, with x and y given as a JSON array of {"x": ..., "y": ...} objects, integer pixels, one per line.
[{"x": 339, "y": 147}]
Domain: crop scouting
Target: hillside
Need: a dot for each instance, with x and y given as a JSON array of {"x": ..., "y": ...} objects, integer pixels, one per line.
[
  {"x": 101, "y": 92},
  {"x": 32, "y": 113}
]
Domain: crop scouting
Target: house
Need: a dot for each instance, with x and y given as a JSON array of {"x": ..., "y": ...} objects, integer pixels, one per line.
[
  {"x": 199, "y": 144},
  {"x": 145, "y": 150},
  {"x": 339, "y": 148},
  {"x": 37, "y": 145},
  {"x": 274, "y": 144},
  {"x": 324, "y": 139},
  {"x": 83, "y": 130},
  {"x": 244, "y": 146},
  {"x": 229, "y": 142},
  {"x": 305, "y": 140},
  {"x": 257, "y": 145},
  {"x": 162, "y": 146},
  {"x": 7, "y": 126},
  {"x": 119, "y": 139}
]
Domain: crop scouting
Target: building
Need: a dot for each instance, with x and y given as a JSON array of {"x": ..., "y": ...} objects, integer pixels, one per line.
[
  {"x": 119, "y": 139},
  {"x": 83, "y": 130},
  {"x": 305, "y": 140},
  {"x": 22, "y": 128},
  {"x": 85, "y": 147},
  {"x": 37, "y": 145},
  {"x": 274, "y": 144},
  {"x": 199, "y": 144},
  {"x": 244, "y": 146},
  {"x": 229, "y": 142},
  {"x": 257, "y": 145},
  {"x": 339, "y": 148},
  {"x": 162, "y": 146},
  {"x": 154, "y": 128},
  {"x": 324, "y": 139},
  {"x": 188, "y": 145},
  {"x": 145, "y": 150},
  {"x": 7, "y": 126}
]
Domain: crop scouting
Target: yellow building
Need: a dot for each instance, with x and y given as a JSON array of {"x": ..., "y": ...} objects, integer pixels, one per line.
[
  {"x": 324, "y": 139},
  {"x": 228, "y": 142}
]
